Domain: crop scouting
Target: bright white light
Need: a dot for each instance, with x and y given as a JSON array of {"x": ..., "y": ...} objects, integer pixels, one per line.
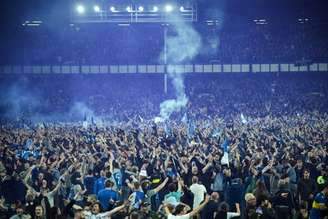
[
  {"x": 112, "y": 9},
  {"x": 140, "y": 8},
  {"x": 80, "y": 9},
  {"x": 182, "y": 9},
  {"x": 158, "y": 120},
  {"x": 96, "y": 8},
  {"x": 168, "y": 8},
  {"x": 128, "y": 9},
  {"x": 155, "y": 9}
]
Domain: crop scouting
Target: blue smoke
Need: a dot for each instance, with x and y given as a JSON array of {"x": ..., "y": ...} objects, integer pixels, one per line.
[
  {"x": 17, "y": 100},
  {"x": 21, "y": 100}
]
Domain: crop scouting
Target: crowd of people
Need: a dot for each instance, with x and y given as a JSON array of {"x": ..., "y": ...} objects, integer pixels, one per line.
[
  {"x": 98, "y": 146},
  {"x": 35, "y": 96},
  {"x": 245, "y": 146},
  {"x": 225, "y": 43}
]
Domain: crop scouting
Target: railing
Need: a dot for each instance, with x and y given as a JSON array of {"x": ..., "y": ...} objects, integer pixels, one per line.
[{"x": 161, "y": 69}]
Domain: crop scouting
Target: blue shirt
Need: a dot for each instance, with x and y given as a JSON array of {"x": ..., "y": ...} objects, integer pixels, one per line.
[
  {"x": 118, "y": 177},
  {"x": 99, "y": 185},
  {"x": 105, "y": 195},
  {"x": 319, "y": 206},
  {"x": 89, "y": 182}
]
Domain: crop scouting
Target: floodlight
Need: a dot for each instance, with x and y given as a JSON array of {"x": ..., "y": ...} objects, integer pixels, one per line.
[
  {"x": 96, "y": 8},
  {"x": 80, "y": 9},
  {"x": 112, "y": 9},
  {"x": 168, "y": 8},
  {"x": 140, "y": 8},
  {"x": 155, "y": 9}
]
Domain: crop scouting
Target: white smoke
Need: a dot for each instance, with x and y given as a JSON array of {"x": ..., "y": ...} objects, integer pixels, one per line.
[
  {"x": 181, "y": 48},
  {"x": 186, "y": 42},
  {"x": 174, "y": 105},
  {"x": 81, "y": 112}
]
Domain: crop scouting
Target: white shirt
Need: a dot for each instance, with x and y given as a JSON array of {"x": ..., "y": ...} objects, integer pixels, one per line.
[
  {"x": 89, "y": 215},
  {"x": 24, "y": 216},
  {"x": 185, "y": 216},
  {"x": 199, "y": 191},
  {"x": 232, "y": 214}
]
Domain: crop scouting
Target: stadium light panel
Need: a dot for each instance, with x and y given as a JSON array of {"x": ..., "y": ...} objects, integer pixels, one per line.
[
  {"x": 140, "y": 8},
  {"x": 128, "y": 9},
  {"x": 182, "y": 9}
]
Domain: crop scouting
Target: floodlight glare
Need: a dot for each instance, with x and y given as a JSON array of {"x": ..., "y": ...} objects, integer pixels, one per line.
[
  {"x": 182, "y": 9},
  {"x": 80, "y": 9},
  {"x": 168, "y": 8},
  {"x": 112, "y": 9},
  {"x": 155, "y": 9},
  {"x": 140, "y": 8},
  {"x": 96, "y": 8},
  {"x": 128, "y": 9}
]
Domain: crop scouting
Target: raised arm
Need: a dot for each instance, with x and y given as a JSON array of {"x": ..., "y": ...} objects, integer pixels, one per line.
[
  {"x": 237, "y": 208},
  {"x": 61, "y": 178},
  {"x": 166, "y": 162},
  {"x": 26, "y": 179},
  {"x": 129, "y": 184},
  {"x": 57, "y": 187},
  {"x": 114, "y": 211},
  {"x": 208, "y": 165},
  {"x": 180, "y": 184},
  {"x": 200, "y": 207},
  {"x": 111, "y": 158},
  {"x": 62, "y": 158},
  {"x": 161, "y": 186},
  {"x": 183, "y": 167},
  {"x": 166, "y": 209}
]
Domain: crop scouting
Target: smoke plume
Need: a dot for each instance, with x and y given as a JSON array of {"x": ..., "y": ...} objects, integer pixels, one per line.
[{"x": 181, "y": 47}]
